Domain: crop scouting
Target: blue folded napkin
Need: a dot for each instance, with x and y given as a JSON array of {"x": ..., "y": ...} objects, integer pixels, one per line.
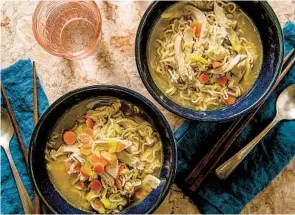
[
  {"x": 18, "y": 83},
  {"x": 266, "y": 160}
]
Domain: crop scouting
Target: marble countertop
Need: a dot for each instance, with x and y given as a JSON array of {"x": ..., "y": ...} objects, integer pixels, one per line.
[{"x": 114, "y": 63}]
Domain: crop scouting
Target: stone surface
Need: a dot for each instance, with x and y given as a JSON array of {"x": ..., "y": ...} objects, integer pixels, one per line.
[{"x": 114, "y": 64}]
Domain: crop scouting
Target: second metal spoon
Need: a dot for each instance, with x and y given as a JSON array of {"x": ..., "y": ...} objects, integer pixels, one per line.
[
  {"x": 285, "y": 107},
  {"x": 5, "y": 137}
]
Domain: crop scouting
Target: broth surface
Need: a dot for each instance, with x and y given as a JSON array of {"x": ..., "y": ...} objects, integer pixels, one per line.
[
  {"x": 62, "y": 183},
  {"x": 121, "y": 135},
  {"x": 164, "y": 81}
]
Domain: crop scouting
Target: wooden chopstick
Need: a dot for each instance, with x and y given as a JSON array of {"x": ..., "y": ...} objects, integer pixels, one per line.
[
  {"x": 36, "y": 117},
  {"x": 15, "y": 126},
  {"x": 191, "y": 179},
  {"x": 210, "y": 160},
  {"x": 35, "y": 94},
  {"x": 289, "y": 55}
]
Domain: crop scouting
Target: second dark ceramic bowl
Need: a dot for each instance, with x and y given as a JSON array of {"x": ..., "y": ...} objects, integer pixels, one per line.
[
  {"x": 64, "y": 111},
  {"x": 271, "y": 34}
]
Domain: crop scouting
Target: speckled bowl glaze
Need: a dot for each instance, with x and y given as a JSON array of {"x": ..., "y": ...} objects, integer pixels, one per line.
[
  {"x": 42, "y": 183},
  {"x": 271, "y": 34}
]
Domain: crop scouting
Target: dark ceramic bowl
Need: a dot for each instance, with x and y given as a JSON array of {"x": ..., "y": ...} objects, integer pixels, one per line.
[
  {"x": 67, "y": 107},
  {"x": 270, "y": 31}
]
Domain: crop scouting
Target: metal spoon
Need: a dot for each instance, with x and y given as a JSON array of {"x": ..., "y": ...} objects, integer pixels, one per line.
[
  {"x": 285, "y": 111},
  {"x": 5, "y": 137}
]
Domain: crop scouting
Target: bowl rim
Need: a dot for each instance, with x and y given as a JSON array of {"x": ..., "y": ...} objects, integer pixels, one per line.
[
  {"x": 181, "y": 111},
  {"x": 143, "y": 99}
]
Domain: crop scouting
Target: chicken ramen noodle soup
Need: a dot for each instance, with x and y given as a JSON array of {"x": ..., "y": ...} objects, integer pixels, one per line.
[
  {"x": 204, "y": 55},
  {"x": 109, "y": 159}
]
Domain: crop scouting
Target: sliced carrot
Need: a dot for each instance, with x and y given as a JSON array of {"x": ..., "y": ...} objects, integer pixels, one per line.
[
  {"x": 95, "y": 185},
  {"x": 216, "y": 64},
  {"x": 139, "y": 194},
  {"x": 103, "y": 161},
  {"x": 85, "y": 138},
  {"x": 93, "y": 159},
  {"x": 98, "y": 168},
  {"x": 204, "y": 78},
  {"x": 84, "y": 171},
  {"x": 81, "y": 184},
  {"x": 85, "y": 151},
  {"x": 230, "y": 100},
  {"x": 121, "y": 168},
  {"x": 87, "y": 145},
  {"x": 197, "y": 27},
  {"x": 89, "y": 131},
  {"x": 69, "y": 137},
  {"x": 89, "y": 123},
  {"x": 222, "y": 80},
  {"x": 118, "y": 184},
  {"x": 78, "y": 167}
]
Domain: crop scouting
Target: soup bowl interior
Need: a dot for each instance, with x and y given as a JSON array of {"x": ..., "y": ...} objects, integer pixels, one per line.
[
  {"x": 63, "y": 113},
  {"x": 271, "y": 35}
]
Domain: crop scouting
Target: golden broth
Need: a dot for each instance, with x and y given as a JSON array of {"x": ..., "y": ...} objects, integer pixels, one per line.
[
  {"x": 62, "y": 183},
  {"x": 249, "y": 32}
]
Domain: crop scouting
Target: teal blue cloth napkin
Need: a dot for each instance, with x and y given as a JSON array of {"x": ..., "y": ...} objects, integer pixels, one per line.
[
  {"x": 259, "y": 168},
  {"x": 18, "y": 83}
]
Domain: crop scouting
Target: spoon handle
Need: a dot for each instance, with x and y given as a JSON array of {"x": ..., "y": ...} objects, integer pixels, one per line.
[
  {"x": 24, "y": 196},
  {"x": 225, "y": 169}
]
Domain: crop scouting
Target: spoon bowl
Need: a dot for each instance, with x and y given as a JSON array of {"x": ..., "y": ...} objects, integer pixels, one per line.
[
  {"x": 285, "y": 107},
  {"x": 6, "y": 129},
  {"x": 6, "y": 135},
  {"x": 286, "y": 104}
]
